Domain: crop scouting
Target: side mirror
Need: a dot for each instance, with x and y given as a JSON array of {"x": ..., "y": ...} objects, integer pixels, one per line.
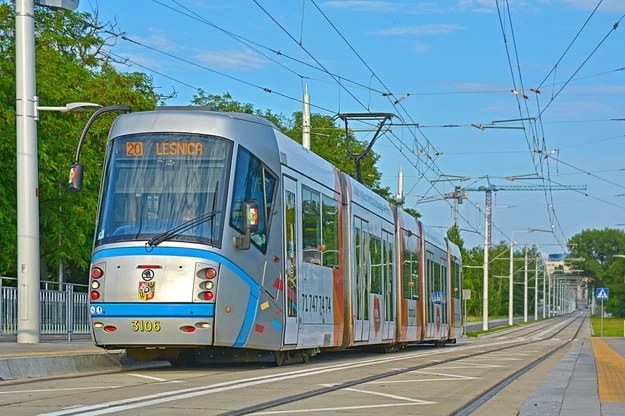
[
  {"x": 250, "y": 224},
  {"x": 250, "y": 211},
  {"x": 75, "y": 178}
]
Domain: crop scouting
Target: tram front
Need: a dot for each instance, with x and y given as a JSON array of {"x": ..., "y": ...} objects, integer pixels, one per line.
[{"x": 155, "y": 266}]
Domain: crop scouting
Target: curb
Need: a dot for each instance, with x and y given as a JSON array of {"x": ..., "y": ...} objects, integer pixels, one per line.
[{"x": 12, "y": 369}]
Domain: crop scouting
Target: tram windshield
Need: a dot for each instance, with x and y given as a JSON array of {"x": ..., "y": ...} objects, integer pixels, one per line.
[{"x": 155, "y": 182}]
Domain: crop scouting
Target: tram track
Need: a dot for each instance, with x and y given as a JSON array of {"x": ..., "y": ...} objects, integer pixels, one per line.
[
  {"x": 460, "y": 352},
  {"x": 482, "y": 399},
  {"x": 466, "y": 409}
]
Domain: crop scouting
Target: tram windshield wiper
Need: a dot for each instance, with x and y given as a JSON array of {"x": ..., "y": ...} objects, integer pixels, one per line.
[{"x": 181, "y": 228}]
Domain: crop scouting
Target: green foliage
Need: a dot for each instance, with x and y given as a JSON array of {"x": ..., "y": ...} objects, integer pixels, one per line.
[
  {"x": 498, "y": 273},
  {"x": 598, "y": 249},
  {"x": 413, "y": 212},
  {"x": 69, "y": 68},
  {"x": 453, "y": 234}
]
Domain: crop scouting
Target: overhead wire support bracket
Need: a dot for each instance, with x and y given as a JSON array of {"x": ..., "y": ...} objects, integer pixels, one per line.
[{"x": 381, "y": 118}]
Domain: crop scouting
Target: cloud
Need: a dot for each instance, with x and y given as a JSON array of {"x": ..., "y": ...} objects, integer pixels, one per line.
[
  {"x": 421, "y": 47},
  {"x": 362, "y": 5},
  {"x": 421, "y": 30},
  {"x": 606, "y": 5},
  {"x": 599, "y": 89},
  {"x": 489, "y": 6},
  {"x": 477, "y": 6},
  {"x": 230, "y": 59},
  {"x": 158, "y": 39}
]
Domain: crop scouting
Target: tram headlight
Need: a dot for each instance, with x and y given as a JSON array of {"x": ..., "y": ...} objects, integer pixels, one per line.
[
  {"x": 208, "y": 285},
  {"x": 95, "y": 284}
]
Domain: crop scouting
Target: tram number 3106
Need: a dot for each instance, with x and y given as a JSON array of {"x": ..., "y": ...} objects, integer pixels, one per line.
[{"x": 145, "y": 326}]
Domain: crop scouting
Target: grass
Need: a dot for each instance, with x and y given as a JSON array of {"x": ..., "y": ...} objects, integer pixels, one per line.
[
  {"x": 476, "y": 318},
  {"x": 495, "y": 329},
  {"x": 612, "y": 327}
]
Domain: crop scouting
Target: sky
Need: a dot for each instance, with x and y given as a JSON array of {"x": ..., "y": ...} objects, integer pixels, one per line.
[{"x": 482, "y": 92}]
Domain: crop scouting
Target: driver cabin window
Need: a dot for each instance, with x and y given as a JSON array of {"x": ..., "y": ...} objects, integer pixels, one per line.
[{"x": 253, "y": 182}]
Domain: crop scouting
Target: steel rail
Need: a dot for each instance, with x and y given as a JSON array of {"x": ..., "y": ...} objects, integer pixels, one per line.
[
  {"x": 483, "y": 398},
  {"x": 348, "y": 384}
]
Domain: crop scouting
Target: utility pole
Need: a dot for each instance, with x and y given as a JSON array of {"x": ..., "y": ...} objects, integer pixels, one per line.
[
  {"x": 28, "y": 322},
  {"x": 525, "y": 288},
  {"x": 536, "y": 290},
  {"x": 485, "y": 280},
  {"x": 511, "y": 282},
  {"x": 544, "y": 290},
  {"x": 306, "y": 119}
]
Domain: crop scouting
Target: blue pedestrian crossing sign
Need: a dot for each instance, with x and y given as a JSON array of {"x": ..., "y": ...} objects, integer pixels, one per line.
[{"x": 602, "y": 293}]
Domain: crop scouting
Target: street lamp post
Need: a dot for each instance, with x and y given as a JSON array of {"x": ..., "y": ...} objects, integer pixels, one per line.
[
  {"x": 536, "y": 289},
  {"x": 525, "y": 288},
  {"x": 544, "y": 290},
  {"x": 485, "y": 280},
  {"x": 28, "y": 322},
  {"x": 511, "y": 282},
  {"x": 511, "y": 279}
]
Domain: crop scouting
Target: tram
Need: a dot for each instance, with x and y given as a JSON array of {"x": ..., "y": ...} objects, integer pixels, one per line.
[{"x": 216, "y": 231}]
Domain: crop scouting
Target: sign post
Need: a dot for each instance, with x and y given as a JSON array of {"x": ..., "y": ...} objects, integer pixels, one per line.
[
  {"x": 602, "y": 294},
  {"x": 466, "y": 295}
]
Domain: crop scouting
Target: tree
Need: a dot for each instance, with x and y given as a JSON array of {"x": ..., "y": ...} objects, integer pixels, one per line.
[
  {"x": 70, "y": 67},
  {"x": 453, "y": 234},
  {"x": 598, "y": 249}
]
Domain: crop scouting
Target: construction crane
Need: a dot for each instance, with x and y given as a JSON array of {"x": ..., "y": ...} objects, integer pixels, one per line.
[
  {"x": 458, "y": 195},
  {"x": 494, "y": 188}
]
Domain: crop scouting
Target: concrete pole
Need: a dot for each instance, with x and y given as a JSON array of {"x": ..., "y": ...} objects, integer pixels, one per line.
[
  {"x": 306, "y": 119},
  {"x": 525, "y": 288},
  {"x": 511, "y": 283},
  {"x": 28, "y": 322},
  {"x": 549, "y": 297},
  {"x": 485, "y": 282},
  {"x": 536, "y": 290},
  {"x": 544, "y": 291}
]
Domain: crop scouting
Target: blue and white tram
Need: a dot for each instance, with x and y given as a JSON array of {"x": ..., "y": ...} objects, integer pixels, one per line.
[{"x": 215, "y": 230}]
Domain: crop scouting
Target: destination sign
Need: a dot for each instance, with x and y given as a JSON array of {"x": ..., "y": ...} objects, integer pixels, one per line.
[{"x": 164, "y": 149}]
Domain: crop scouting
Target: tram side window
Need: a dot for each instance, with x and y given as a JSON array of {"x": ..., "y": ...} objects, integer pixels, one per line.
[
  {"x": 410, "y": 275},
  {"x": 319, "y": 228},
  {"x": 410, "y": 267},
  {"x": 253, "y": 182},
  {"x": 430, "y": 289},
  {"x": 388, "y": 274},
  {"x": 330, "y": 231},
  {"x": 375, "y": 251},
  {"x": 457, "y": 291},
  {"x": 311, "y": 225}
]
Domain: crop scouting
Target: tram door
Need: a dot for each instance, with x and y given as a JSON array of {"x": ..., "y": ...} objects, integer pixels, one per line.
[
  {"x": 360, "y": 279},
  {"x": 290, "y": 275}
]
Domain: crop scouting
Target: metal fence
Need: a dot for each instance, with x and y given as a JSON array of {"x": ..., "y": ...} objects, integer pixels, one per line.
[{"x": 64, "y": 308}]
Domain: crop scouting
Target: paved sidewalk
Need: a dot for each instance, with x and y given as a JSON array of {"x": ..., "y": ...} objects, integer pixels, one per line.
[{"x": 572, "y": 386}]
